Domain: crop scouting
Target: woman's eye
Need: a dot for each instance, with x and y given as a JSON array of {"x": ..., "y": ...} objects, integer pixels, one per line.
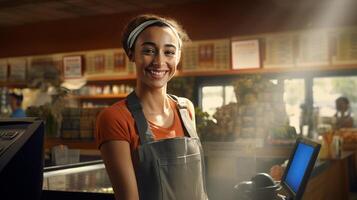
[
  {"x": 149, "y": 51},
  {"x": 170, "y": 53}
]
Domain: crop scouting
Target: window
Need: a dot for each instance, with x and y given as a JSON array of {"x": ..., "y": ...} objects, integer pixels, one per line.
[
  {"x": 214, "y": 97},
  {"x": 327, "y": 89},
  {"x": 294, "y": 99}
]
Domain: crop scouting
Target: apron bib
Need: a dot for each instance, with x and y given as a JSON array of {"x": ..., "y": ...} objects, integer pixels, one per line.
[{"x": 169, "y": 169}]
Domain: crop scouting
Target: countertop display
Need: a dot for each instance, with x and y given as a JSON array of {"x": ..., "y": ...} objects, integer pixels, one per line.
[{"x": 87, "y": 177}]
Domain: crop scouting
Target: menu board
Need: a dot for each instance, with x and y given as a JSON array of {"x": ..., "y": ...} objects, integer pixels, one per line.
[
  {"x": 313, "y": 48},
  {"x": 245, "y": 54},
  {"x": 206, "y": 55},
  {"x": 3, "y": 70},
  {"x": 346, "y": 47},
  {"x": 279, "y": 51},
  {"x": 17, "y": 69}
]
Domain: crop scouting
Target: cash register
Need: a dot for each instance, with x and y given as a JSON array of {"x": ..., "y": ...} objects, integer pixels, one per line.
[
  {"x": 296, "y": 175},
  {"x": 21, "y": 158}
]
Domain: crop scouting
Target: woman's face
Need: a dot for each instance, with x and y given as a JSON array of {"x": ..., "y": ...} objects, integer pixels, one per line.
[{"x": 156, "y": 56}]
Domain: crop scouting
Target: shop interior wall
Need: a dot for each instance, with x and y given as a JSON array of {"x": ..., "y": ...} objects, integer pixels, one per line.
[{"x": 202, "y": 20}]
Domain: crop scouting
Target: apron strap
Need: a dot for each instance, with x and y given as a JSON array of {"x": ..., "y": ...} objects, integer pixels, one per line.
[
  {"x": 185, "y": 116},
  {"x": 134, "y": 106}
]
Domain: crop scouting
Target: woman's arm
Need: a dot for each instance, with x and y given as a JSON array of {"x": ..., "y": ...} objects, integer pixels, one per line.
[{"x": 118, "y": 163}]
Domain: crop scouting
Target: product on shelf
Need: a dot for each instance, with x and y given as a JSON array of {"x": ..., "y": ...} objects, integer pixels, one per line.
[
  {"x": 71, "y": 123},
  {"x": 79, "y": 123}
]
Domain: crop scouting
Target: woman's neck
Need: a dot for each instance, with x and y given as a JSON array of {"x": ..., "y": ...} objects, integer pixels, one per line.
[{"x": 153, "y": 101}]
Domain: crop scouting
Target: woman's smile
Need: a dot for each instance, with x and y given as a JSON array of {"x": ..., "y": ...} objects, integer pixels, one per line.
[{"x": 156, "y": 73}]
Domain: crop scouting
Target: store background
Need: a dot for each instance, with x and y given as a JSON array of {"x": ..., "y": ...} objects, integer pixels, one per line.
[{"x": 68, "y": 27}]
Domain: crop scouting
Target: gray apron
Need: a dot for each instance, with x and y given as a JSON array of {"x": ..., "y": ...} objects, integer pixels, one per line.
[{"x": 169, "y": 169}]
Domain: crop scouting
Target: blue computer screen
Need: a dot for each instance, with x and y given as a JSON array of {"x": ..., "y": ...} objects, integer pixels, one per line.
[{"x": 298, "y": 166}]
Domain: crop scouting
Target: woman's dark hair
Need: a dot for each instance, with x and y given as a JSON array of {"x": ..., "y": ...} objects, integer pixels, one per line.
[{"x": 136, "y": 21}]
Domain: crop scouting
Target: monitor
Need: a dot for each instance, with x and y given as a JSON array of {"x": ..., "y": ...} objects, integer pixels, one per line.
[
  {"x": 21, "y": 158},
  {"x": 300, "y": 166}
]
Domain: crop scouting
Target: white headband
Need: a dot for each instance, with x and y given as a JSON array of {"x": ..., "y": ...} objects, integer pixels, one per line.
[{"x": 135, "y": 33}]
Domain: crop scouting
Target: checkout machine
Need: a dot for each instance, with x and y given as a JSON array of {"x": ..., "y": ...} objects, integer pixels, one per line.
[
  {"x": 21, "y": 158},
  {"x": 293, "y": 182}
]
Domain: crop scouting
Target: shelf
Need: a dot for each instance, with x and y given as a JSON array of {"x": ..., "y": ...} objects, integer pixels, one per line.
[
  {"x": 104, "y": 96},
  {"x": 272, "y": 70},
  {"x": 71, "y": 143},
  {"x": 229, "y": 72}
]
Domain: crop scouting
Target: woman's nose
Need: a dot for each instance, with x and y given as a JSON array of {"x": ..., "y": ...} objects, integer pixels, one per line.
[{"x": 159, "y": 59}]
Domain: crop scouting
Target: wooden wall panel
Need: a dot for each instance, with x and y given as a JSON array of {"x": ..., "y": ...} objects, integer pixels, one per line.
[{"x": 202, "y": 20}]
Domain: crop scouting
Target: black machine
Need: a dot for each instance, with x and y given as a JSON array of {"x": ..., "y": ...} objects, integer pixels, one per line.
[
  {"x": 294, "y": 180},
  {"x": 21, "y": 158}
]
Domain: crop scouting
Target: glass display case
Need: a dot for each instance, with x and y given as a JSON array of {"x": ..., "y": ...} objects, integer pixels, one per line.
[{"x": 86, "y": 177}]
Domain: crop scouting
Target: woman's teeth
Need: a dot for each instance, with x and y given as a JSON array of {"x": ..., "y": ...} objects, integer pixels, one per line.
[{"x": 157, "y": 73}]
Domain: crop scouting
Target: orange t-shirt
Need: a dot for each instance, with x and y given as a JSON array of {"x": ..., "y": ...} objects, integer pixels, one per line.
[{"x": 117, "y": 123}]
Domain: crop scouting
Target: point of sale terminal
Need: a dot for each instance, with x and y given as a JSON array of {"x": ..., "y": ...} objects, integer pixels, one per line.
[{"x": 300, "y": 165}]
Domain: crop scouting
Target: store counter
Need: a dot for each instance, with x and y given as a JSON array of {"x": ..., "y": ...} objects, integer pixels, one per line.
[
  {"x": 224, "y": 169},
  {"x": 333, "y": 181},
  {"x": 229, "y": 164},
  {"x": 87, "y": 180}
]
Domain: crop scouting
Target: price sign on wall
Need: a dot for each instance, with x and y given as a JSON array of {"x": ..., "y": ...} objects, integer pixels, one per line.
[
  {"x": 72, "y": 67},
  {"x": 245, "y": 54}
]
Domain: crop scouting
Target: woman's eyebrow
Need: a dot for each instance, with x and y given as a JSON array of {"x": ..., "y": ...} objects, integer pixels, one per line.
[
  {"x": 153, "y": 44},
  {"x": 148, "y": 43},
  {"x": 170, "y": 45}
]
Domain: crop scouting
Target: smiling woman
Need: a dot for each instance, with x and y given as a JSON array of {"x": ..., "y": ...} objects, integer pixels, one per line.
[
  {"x": 148, "y": 141},
  {"x": 156, "y": 57}
]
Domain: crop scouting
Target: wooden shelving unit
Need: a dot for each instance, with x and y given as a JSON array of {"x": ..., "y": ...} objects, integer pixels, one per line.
[
  {"x": 230, "y": 72},
  {"x": 272, "y": 70}
]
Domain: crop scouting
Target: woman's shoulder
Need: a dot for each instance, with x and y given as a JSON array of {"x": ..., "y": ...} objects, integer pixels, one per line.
[
  {"x": 117, "y": 111},
  {"x": 182, "y": 100},
  {"x": 115, "y": 123},
  {"x": 185, "y": 102}
]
